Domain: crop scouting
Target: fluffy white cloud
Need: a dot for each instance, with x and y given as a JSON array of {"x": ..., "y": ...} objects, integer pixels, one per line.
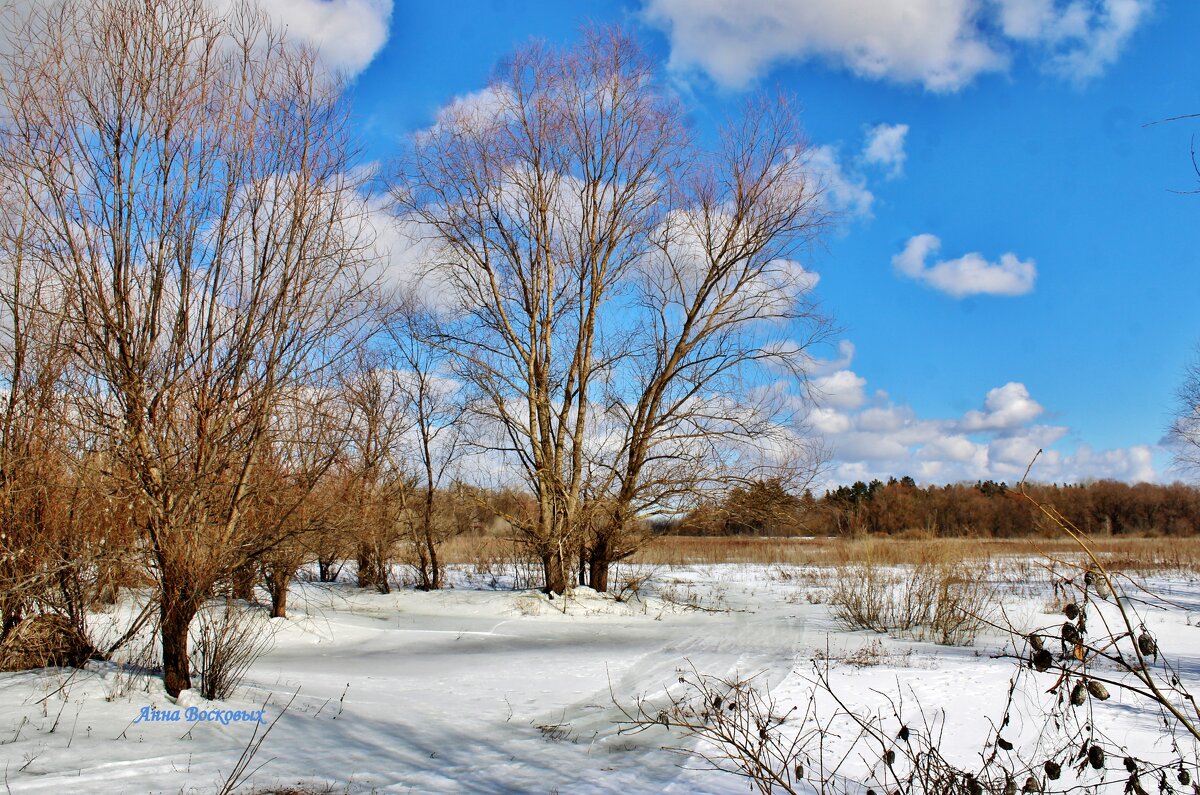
[
  {"x": 843, "y": 191},
  {"x": 940, "y": 44},
  {"x": 347, "y": 33},
  {"x": 1080, "y": 39},
  {"x": 1007, "y": 407},
  {"x": 885, "y": 147},
  {"x": 969, "y": 274},
  {"x": 842, "y": 389},
  {"x": 874, "y": 437},
  {"x": 842, "y": 183}
]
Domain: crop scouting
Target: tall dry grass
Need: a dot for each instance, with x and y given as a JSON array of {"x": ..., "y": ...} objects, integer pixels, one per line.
[{"x": 1131, "y": 554}]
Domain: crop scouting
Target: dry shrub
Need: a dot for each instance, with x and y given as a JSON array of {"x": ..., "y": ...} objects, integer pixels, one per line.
[
  {"x": 494, "y": 562},
  {"x": 44, "y": 640},
  {"x": 229, "y": 637},
  {"x": 943, "y": 600}
]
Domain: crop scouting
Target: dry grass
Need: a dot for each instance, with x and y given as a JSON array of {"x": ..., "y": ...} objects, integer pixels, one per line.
[
  {"x": 494, "y": 560},
  {"x": 947, "y": 601},
  {"x": 1134, "y": 555}
]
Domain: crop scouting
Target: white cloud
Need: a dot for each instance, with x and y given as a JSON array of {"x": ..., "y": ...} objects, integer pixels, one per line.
[
  {"x": 1080, "y": 39},
  {"x": 969, "y": 274},
  {"x": 828, "y": 421},
  {"x": 877, "y": 438},
  {"x": 842, "y": 389},
  {"x": 347, "y": 33},
  {"x": 1007, "y": 407},
  {"x": 842, "y": 191},
  {"x": 940, "y": 44},
  {"x": 885, "y": 147}
]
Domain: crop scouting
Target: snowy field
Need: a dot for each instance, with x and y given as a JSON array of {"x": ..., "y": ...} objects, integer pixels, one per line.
[{"x": 477, "y": 689}]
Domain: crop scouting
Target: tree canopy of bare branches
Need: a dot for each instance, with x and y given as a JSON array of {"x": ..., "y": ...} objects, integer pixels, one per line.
[
  {"x": 187, "y": 176},
  {"x": 624, "y": 303}
]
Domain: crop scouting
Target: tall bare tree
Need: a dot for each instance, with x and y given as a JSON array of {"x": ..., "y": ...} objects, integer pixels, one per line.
[
  {"x": 539, "y": 197},
  {"x": 615, "y": 294},
  {"x": 709, "y": 393},
  {"x": 189, "y": 177}
]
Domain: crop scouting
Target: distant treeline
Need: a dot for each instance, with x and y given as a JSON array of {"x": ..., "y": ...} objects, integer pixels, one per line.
[{"x": 984, "y": 508}]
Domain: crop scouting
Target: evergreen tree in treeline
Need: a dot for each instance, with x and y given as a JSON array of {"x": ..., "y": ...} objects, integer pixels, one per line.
[{"x": 985, "y": 508}]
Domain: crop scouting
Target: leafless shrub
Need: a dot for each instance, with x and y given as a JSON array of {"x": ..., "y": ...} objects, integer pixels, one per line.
[
  {"x": 229, "y": 637},
  {"x": 492, "y": 562},
  {"x": 630, "y": 583},
  {"x": 947, "y": 602},
  {"x": 742, "y": 723}
]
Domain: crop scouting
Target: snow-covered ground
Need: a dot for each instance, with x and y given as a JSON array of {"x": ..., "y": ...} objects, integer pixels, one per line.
[{"x": 479, "y": 690}]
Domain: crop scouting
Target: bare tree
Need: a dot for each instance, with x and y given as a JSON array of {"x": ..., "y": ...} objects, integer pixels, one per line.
[
  {"x": 439, "y": 423},
  {"x": 188, "y": 172},
  {"x": 709, "y": 394},
  {"x": 378, "y": 483},
  {"x": 608, "y": 287},
  {"x": 538, "y": 204},
  {"x": 296, "y": 498}
]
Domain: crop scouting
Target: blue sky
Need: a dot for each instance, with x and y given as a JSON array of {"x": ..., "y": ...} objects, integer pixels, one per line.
[{"x": 1011, "y": 268}]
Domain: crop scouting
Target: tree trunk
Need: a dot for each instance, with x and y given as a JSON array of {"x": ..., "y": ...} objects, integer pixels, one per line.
[
  {"x": 426, "y": 583},
  {"x": 242, "y": 582},
  {"x": 371, "y": 573},
  {"x": 327, "y": 569},
  {"x": 177, "y": 614},
  {"x": 555, "y": 572},
  {"x": 435, "y": 566},
  {"x": 279, "y": 593},
  {"x": 372, "y": 570},
  {"x": 598, "y": 563}
]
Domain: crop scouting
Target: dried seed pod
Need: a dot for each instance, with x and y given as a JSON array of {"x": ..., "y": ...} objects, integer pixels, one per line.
[
  {"x": 1078, "y": 694},
  {"x": 1004, "y": 744},
  {"x": 1070, "y": 634},
  {"x": 1096, "y": 757},
  {"x": 975, "y": 787},
  {"x": 1102, "y": 589},
  {"x": 799, "y": 771},
  {"x": 1042, "y": 660},
  {"x": 903, "y": 733},
  {"x": 1036, "y": 642},
  {"x": 1098, "y": 690},
  {"x": 1053, "y": 769},
  {"x": 1010, "y": 787},
  {"x": 1071, "y": 611},
  {"x": 1147, "y": 645},
  {"x": 1130, "y": 764},
  {"x": 1031, "y": 785},
  {"x": 889, "y": 757},
  {"x": 1184, "y": 777}
]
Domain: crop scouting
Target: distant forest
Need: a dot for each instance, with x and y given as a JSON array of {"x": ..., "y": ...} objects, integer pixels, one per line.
[{"x": 983, "y": 509}]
